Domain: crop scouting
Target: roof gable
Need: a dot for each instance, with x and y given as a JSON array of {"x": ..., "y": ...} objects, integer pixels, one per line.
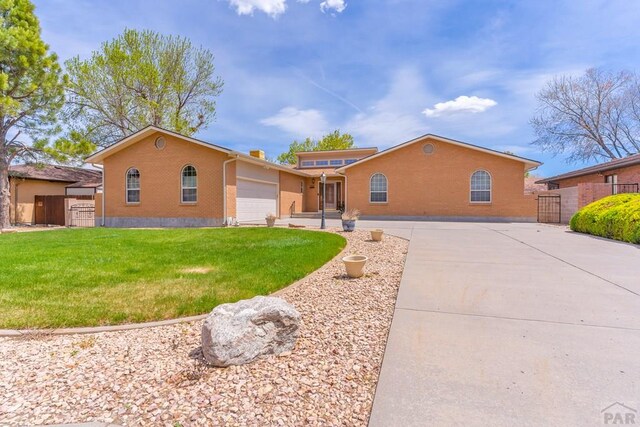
[
  {"x": 99, "y": 156},
  {"x": 529, "y": 163}
]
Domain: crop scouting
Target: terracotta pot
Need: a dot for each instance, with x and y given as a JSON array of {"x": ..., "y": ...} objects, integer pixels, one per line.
[
  {"x": 377, "y": 234},
  {"x": 270, "y": 222},
  {"x": 354, "y": 265}
]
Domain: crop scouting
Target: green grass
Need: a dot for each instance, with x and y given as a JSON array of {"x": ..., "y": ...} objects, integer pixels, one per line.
[
  {"x": 88, "y": 277},
  {"x": 614, "y": 217}
]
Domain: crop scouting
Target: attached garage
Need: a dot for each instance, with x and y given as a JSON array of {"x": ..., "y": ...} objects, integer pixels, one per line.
[{"x": 255, "y": 199}]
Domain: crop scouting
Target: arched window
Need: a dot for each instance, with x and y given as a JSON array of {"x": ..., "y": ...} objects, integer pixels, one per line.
[
  {"x": 133, "y": 185},
  {"x": 378, "y": 188},
  {"x": 189, "y": 184},
  {"x": 481, "y": 187}
]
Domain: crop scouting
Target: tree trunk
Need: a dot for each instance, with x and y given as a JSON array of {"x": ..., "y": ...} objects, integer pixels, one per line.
[{"x": 5, "y": 198}]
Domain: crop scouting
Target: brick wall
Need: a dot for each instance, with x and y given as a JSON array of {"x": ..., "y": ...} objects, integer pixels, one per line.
[
  {"x": 290, "y": 193},
  {"x": 438, "y": 184},
  {"x": 589, "y": 192},
  {"x": 160, "y": 180},
  {"x": 232, "y": 189},
  {"x": 311, "y": 194}
]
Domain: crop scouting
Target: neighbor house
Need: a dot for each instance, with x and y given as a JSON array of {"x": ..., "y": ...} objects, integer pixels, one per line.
[
  {"x": 160, "y": 178},
  {"x": 576, "y": 189},
  {"x": 616, "y": 173},
  {"x": 30, "y": 184}
]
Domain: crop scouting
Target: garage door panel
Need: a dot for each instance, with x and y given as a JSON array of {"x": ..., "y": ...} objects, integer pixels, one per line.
[{"x": 255, "y": 200}]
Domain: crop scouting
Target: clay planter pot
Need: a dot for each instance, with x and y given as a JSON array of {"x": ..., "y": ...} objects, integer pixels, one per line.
[
  {"x": 376, "y": 235},
  {"x": 354, "y": 265},
  {"x": 270, "y": 222},
  {"x": 348, "y": 224}
]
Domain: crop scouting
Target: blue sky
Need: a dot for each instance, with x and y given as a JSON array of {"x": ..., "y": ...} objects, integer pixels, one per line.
[{"x": 383, "y": 70}]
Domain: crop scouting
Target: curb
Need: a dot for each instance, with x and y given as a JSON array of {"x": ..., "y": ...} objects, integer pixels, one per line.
[{"x": 97, "y": 329}]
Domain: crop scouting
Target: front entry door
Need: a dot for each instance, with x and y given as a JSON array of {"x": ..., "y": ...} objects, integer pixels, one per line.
[{"x": 331, "y": 195}]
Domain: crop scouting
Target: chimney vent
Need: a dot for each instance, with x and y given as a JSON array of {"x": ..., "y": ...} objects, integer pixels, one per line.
[{"x": 257, "y": 153}]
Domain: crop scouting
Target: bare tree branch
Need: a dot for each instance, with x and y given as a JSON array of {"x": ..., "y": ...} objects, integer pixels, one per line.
[{"x": 594, "y": 116}]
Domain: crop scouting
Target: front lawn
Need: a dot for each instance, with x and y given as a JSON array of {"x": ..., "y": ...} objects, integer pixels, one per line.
[{"x": 83, "y": 277}]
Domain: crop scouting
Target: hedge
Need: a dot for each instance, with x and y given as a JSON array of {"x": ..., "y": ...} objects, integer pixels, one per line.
[{"x": 614, "y": 217}]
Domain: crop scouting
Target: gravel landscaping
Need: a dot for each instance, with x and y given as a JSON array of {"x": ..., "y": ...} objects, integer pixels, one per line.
[{"x": 156, "y": 376}]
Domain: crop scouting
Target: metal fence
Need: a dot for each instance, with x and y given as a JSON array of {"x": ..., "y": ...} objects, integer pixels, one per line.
[
  {"x": 82, "y": 215},
  {"x": 549, "y": 210},
  {"x": 624, "y": 188}
]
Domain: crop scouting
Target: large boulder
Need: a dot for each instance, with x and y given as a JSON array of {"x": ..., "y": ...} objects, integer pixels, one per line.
[{"x": 239, "y": 333}]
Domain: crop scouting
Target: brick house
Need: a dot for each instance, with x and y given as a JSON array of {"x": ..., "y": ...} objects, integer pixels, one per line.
[
  {"x": 160, "y": 178},
  {"x": 583, "y": 186},
  {"x": 619, "y": 172}
]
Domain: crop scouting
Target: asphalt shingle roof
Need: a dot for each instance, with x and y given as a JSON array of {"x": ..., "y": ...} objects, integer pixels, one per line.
[{"x": 56, "y": 173}]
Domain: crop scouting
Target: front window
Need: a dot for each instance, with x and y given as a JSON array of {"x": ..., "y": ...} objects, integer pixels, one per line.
[
  {"x": 307, "y": 163},
  {"x": 481, "y": 187},
  {"x": 133, "y": 186},
  {"x": 322, "y": 162},
  {"x": 349, "y": 161},
  {"x": 335, "y": 162},
  {"x": 189, "y": 184},
  {"x": 378, "y": 188}
]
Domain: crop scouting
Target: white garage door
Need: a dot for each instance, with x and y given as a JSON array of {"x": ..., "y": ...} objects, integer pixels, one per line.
[{"x": 255, "y": 200}]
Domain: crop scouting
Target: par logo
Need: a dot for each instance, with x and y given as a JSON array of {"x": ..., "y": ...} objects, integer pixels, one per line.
[{"x": 619, "y": 414}]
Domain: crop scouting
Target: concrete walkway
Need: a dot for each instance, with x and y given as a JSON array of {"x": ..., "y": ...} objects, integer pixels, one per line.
[{"x": 510, "y": 324}]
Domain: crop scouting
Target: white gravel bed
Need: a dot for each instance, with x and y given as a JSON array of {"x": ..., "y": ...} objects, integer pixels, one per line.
[{"x": 154, "y": 376}]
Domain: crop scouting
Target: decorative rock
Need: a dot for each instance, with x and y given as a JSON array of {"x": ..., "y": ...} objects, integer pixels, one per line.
[
  {"x": 239, "y": 333},
  {"x": 346, "y": 323}
]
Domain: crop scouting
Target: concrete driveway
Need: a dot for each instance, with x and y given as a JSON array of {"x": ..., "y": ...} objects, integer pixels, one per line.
[{"x": 511, "y": 324}]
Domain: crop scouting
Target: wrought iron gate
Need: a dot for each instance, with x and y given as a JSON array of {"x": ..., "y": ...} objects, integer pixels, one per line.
[
  {"x": 549, "y": 210},
  {"x": 82, "y": 215}
]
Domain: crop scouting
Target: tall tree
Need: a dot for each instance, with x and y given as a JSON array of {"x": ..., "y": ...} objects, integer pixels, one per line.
[
  {"x": 31, "y": 91},
  {"x": 333, "y": 141},
  {"x": 594, "y": 116},
  {"x": 140, "y": 78}
]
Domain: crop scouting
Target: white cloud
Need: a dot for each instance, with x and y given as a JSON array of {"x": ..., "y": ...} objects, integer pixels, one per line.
[
  {"x": 301, "y": 123},
  {"x": 336, "y": 5},
  {"x": 395, "y": 117},
  {"x": 273, "y": 8},
  {"x": 462, "y": 104}
]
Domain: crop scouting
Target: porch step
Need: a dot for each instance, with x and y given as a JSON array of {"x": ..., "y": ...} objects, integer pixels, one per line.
[{"x": 317, "y": 215}]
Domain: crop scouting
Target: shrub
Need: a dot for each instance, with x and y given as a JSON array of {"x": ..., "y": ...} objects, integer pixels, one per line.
[{"x": 614, "y": 217}]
